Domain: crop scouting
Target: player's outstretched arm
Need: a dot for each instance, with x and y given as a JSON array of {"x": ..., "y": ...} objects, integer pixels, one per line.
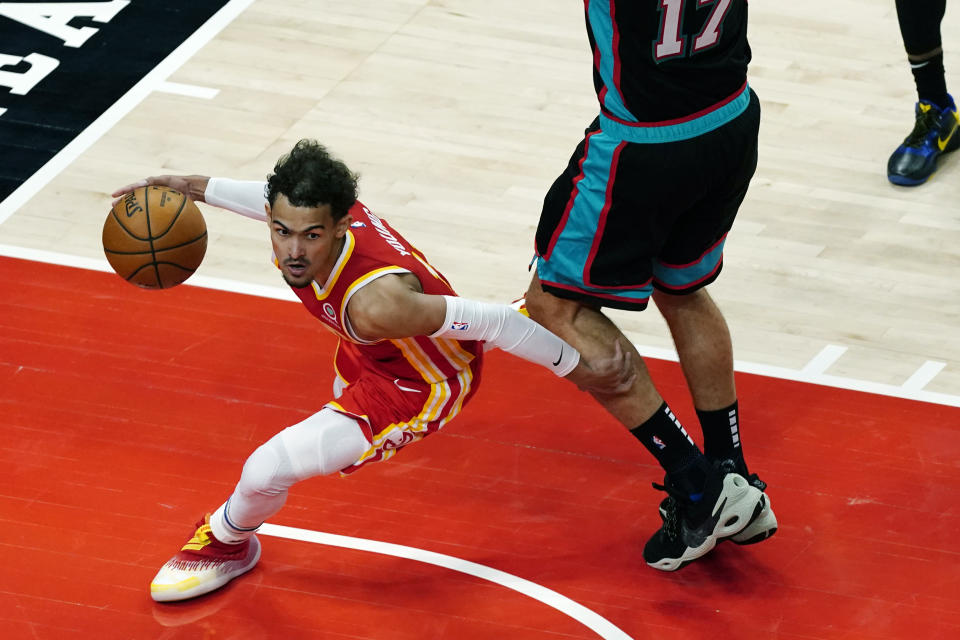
[
  {"x": 392, "y": 308},
  {"x": 193, "y": 186},
  {"x": 246, "y": 197}
]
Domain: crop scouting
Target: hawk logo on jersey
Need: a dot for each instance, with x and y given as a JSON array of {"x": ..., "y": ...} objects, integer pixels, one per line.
[{"x": 329, "y": 311}]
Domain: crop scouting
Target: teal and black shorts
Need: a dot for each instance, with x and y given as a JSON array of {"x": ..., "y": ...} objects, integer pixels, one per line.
[{"x": 647, "y": 205}]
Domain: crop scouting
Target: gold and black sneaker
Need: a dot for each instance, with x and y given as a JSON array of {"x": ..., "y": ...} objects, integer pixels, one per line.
[{"x": 934, "y": 133}]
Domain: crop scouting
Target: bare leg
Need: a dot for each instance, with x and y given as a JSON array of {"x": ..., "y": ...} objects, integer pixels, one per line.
[
  {"x": 593, "y": 334},
  {"x": 702, "y": 339},
  {"x": 689, "y": 472}
]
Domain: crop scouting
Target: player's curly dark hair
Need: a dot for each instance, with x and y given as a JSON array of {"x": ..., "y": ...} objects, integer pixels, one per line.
[{"x": 310, "y": 177}]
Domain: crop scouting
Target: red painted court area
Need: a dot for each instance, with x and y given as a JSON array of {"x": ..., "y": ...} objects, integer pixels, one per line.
[{"x": 126, "y": 414}]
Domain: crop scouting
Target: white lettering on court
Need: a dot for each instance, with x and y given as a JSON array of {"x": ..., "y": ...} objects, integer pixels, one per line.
[
  {"x": 53, "y": 18},
  {"x": 21, "y": 83}
]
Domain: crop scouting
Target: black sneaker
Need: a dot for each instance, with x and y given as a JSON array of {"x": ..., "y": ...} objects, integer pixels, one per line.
[
  {"x": 691, "y": 529},
  {"x": 934, "y": 133}
]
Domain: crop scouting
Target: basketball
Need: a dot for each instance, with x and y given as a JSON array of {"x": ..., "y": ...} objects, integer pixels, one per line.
[{"x": 155, "y": 237}]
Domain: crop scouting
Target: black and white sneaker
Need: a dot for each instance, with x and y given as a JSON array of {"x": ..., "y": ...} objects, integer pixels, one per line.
[
  {"x": 763, "y": 526},
  {"x": 691, "y": 529}
]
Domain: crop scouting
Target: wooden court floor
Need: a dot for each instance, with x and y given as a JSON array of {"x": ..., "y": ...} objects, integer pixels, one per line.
[{"x": 459, "y": 114}]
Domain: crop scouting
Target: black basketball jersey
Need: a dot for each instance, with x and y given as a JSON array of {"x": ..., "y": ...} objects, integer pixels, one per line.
[{"x": 660, "y": 60}]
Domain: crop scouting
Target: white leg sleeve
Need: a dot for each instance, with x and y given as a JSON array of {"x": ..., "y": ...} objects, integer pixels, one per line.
[
  {"x": 324, "y": 443},
  {"x": 509, "y": 330}
]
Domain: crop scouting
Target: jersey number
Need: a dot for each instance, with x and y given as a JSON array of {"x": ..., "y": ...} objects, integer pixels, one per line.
[{"x": 672, "y": 43}]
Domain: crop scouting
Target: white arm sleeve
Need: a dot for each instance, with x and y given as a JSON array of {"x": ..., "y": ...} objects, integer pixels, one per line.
[
  {"x": 509, "y": 330},
  {"x": 245, "y": 197}
]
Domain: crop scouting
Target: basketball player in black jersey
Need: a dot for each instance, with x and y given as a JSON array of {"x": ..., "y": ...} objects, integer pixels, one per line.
[
  {"x": 641, "y": 211},
  {"x": 935, "y": 129}
]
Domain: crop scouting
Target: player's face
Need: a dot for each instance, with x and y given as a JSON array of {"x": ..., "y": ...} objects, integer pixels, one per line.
[{"x": 306, "y": 240}]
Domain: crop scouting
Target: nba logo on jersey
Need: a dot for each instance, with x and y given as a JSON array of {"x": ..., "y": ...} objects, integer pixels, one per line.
[
  {"x": 657, "y": 441},
  {"x": 460, "y": 326},
  {"x": 357, "y": 224}
]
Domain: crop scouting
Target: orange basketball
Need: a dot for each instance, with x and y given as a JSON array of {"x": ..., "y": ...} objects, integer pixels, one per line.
[{"x": 155, "y": 237}]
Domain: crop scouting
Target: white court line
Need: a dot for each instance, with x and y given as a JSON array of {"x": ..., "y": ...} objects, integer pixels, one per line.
[
  {"x": 657, "y": 353},
  {"x": 38, "y": 255},
  {"x": 189, "y": 90},
  {"x": 839, "y": 382},
  {"x": 101, "y": 264},
  {"x": 596, "y": 623},
  {"x": 852, "y": 384},
  {"x": 121, "y": 107},
  {"x": 822, "y": 361},
  {"x": 922, "y": 376}
]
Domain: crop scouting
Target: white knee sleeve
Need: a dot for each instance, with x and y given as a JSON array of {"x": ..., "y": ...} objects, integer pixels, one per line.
[{"x": 324, "y": 443}]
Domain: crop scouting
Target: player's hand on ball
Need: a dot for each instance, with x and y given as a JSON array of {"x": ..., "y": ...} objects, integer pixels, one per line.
[
  {"x": 606, "y": 376},
  {"x": 194, "y": 186}
]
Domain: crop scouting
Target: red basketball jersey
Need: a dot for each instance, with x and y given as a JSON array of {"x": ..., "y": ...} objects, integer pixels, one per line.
[{"x": 401, "y": 389}]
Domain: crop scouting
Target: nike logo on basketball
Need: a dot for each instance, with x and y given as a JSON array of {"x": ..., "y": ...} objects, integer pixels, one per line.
[{"x": 560, "y": 357}]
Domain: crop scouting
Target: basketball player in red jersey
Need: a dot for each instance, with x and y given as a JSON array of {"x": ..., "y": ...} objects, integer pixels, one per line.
[{"x": 409, "y": 357}]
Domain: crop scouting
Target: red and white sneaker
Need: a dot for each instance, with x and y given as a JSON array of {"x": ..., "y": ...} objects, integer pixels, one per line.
[{"x": 203, "y": 565}]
